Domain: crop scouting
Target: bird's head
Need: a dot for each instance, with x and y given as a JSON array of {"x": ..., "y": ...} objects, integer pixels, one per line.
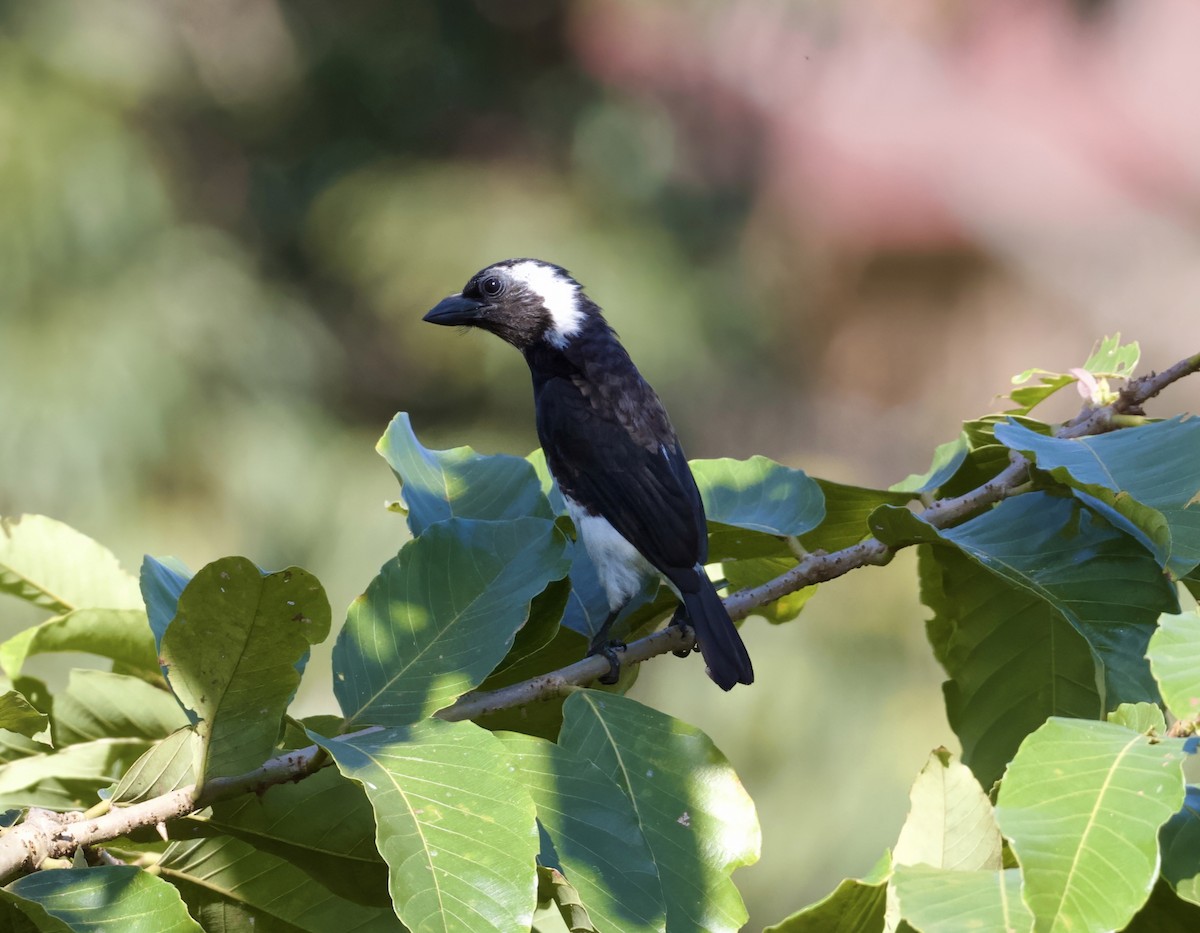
[{"x": 523, "y": 301}]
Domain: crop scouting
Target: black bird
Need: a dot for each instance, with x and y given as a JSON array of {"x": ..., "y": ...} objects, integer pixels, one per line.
[{"x": 610, "y": 447}]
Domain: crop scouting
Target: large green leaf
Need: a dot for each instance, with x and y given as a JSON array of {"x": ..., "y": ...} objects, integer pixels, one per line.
[
  {"x": 120, "y": 634},
  {"x": 947, "y": 458},
  {"x": 591, "y": 836},
  {"x": 938, "y": 900},
  {"x": 323, "y": 825},
  {"x": 696, "y": 818},
  {"x": 108, "y": 899},
  {"x": 441, "y": 615},
  {"x": 18, "y": 715},
  {"x": 1174, "y": 654},
  {"x": 52, "y": 565},
  {"x": 68, "y": 778},
  {"x": 455, "y": 824},
  {"x": 747, "y": 574},
  {"x": 1052, "y": 560},
  {"x": 759, "y": 495},
  {"x": 98, "y": 705},
  {"x": 234, "y": 653},
  {"x": 1081, "y": 805},
  {"x": 442, "y": 484},
  {"x": 1013, "y": 660},
  {"x": 216, "y": 874}
]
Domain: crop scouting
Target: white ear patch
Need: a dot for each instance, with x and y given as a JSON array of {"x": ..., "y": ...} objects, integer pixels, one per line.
[{"x": 559, "y": 296}]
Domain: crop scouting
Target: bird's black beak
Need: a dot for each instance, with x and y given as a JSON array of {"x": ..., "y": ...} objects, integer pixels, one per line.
[{"x": 454, "y": 310}]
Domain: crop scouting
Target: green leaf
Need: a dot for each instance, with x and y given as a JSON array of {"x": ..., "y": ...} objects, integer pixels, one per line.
[
  {"x": 697, "y": 820},
  {"x": 1145, "y": 718},
  {"x": 120, "y": 634},
  {"x": 847, "y": 509},
  {"x": 17, "y": 715},
  {"x": 323, "y": 825},
  {"x": 950, "y": 825},
  {"x": 947, "y": 458},
  {"x": 68, "y": 778},
  {"x": 455, "y": 824},
  {"x": 599, "y": 846},
  {"x": 1081, "y": 805},
  {"x": 1156, "y": 465},
  {"x": 105, "y": 900},
  {"x": 441, "y": 615},
  {"x": 1179, "y": 841},
  {"x": 162, "y": 582},
  {"x": 759, "y": 495},
  {"x": 937, "y": 900},
  {"x": 1174, "y": 654},
  {"x": 52, "y": 565},
  {"x": 1113, "y": 360},
  {"x": 855, "y": 906},
  {"x": 234, "y": 653},
  {"x": 164, "y": 767},
  {"x": 1109, "y": 360},
  {"x": 459, "y": 483},
  {"x": 214, "y": 874},
  {"x": 99, "y": 705},
  {"x": 1052, "y": 561}
]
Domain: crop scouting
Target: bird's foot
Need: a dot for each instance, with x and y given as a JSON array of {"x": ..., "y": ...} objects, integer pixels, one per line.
[
  {"x": 680, "y": 621},
  {"x": 609, "y": 651}
]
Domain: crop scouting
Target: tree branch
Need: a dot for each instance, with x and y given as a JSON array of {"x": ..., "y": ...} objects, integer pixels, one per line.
[{"x": 45, "y": 834}]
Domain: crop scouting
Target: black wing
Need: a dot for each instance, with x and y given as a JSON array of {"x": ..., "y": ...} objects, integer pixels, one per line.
[{"x": 639, "y": 481}]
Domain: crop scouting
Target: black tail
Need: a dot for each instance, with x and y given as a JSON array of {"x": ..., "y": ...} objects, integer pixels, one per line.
[{"x": 724, "y": 653}]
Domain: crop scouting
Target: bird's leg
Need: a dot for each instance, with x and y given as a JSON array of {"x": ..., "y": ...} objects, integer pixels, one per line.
[
  {"x": 602, "y": 645},
  {"x": 680, "y": 620}
]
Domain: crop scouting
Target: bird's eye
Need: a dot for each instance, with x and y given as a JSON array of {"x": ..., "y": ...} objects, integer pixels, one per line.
[{"x": 492, "y": 286}]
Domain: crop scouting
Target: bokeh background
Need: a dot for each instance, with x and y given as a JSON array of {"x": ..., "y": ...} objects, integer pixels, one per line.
[{"x": 827, "y": 231}]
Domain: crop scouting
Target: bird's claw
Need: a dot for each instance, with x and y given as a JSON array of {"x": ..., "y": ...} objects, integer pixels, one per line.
[
  {"x": 680, "y": 621},
  {"x": 609, "y": 652}
]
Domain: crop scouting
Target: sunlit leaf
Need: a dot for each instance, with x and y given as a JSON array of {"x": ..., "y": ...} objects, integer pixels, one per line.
[
  {"x": 52, "y": 565},
  {"x": 442, "y": 484},
  {"x": 855, "y": 906},
  {"x": 166, "y": 766},
  {"x": 1146, "y": 718},
  {"x": 455, "y": 824},
  {"x": 120, "y": 634},
  {"x": 938, "y": 900},
  {"x": 1174, "y": 654},
  {"x": 599, "y": 846},
  {"x": 759, "y": 495},
  {"x": 104, "y": 900},
  {"x": 947, "y": 458},
  {"x": 441, "y": 615},
  {"x": 1081, "y": 805},
  {"x": 697, "y": 820}
]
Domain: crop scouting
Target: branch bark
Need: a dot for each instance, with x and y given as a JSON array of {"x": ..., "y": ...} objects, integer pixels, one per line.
[{"x": 45, "y": 834}]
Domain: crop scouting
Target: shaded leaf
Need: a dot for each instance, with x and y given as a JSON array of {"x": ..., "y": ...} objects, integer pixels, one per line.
[
  {"x": 52, "y": 565},
  {"x": 442, "y": 484},
  {"x": 947, "y": 458},
  {"x": 1081, "y": 805},
  {"x": 747, "y": 574},
  {"x": 853, "y": 907},
  {"x": 234, "y": 652},
  {"x": 1179, "y": 841},
  {"x": 1165, "y": 912},
  {"x": 214, "y": 873},
  {"x": 105, "y": 899},
  {"x": 759, "y": 495},
  {"x": 441, "y": 615},
  {"x": 68, "y": 778},
  {"x": 591, "y": 836},
  {"x": 455, "y": 824},
  {"x": 847, "y": 509},
  {"x": 697, "y": 820},
  {"x": 162, "y": 582}
]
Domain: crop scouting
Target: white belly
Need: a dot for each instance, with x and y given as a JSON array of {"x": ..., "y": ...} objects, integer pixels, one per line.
[{"x": 620, "y": 567}]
